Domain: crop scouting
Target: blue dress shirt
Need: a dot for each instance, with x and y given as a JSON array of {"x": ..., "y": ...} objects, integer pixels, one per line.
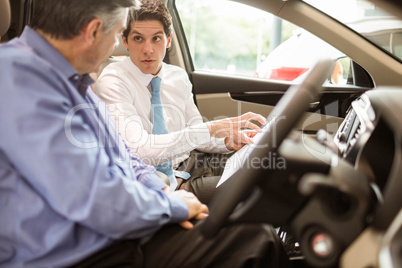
[{"x": 67, "y": 184}]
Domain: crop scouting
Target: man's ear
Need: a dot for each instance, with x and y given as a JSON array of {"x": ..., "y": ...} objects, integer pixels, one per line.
[
  {"x": 169, "y": 41},
  {"x": 125, "y": 43},
  {"x": 93, "y": 31}
]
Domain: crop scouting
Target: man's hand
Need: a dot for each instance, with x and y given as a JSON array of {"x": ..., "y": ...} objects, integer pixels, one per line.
[
  {"x": 196, "y": 210},
  {"x": 233, "y": 144},
  {"x": 237, "y": 131}
]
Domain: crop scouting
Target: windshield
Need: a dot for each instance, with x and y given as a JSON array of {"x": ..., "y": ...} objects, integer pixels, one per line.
[{"x": 365, "y": 18}]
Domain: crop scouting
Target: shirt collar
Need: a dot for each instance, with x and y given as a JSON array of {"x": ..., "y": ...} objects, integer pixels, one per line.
[
  {"x": 81, "y": 82},
  {"x": 145, "y": 79},
  {"x": 47, "y": 52}
]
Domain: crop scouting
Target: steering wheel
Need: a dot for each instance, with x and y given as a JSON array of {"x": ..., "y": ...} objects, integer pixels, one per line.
[{"x": 288, "y": 111}]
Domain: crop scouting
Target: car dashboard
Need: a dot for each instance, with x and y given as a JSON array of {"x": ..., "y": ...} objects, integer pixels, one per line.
[
  {"x": 370, "y": 139},
  {"x": 366, "y": 140},
  {"x": 357, "y": 126},
  {"x": 360, "y": 189}
]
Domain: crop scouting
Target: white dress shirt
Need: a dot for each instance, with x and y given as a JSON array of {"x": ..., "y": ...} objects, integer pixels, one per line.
[{"x": 127, "y": 92}]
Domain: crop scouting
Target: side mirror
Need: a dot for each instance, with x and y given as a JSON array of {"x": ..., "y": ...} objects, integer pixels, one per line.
[{"x": 341, "y": 71}]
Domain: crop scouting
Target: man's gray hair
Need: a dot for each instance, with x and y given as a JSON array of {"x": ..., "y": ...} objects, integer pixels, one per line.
[
  {"x": 64, "y": 19},
  {"x": 110, "y": 18}
]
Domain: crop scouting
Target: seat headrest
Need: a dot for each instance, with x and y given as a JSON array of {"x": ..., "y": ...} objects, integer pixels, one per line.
[{"x": 5, "y": 16}]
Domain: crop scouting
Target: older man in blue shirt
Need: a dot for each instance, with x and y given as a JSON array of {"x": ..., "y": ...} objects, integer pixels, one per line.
[{"x": 70, "y": 194}]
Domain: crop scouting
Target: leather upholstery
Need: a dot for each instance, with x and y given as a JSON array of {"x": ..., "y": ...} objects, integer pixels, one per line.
[{"x": 5, "y": 16}]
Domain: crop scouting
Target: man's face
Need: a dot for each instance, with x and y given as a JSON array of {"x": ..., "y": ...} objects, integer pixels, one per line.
[
  {"x": 147, "y": 43},
  {"x": 104, "y": 47}
]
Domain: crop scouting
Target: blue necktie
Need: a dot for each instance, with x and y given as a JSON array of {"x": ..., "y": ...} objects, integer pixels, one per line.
[{"x": 160, "y": 127}]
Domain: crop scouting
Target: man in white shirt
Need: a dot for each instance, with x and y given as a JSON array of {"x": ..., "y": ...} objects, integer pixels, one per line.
[{"x": 125, "y": 86}]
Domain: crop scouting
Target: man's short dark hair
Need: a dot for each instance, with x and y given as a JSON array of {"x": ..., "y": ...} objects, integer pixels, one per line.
[
  {"x": 150, "y": 10},
  {"x": 64, "y": 19}
]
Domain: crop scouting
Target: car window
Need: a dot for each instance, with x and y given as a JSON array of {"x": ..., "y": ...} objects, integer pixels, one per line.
[
  {"x": 229, "y": 37},
  {"x": 235, "y": 39},
  {"x": 365, "y": 18}
]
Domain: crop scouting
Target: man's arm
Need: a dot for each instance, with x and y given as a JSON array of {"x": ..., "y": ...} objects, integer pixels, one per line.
[
  {"x": 79, "y": 181},
  {"x": 193, "y": 117}
]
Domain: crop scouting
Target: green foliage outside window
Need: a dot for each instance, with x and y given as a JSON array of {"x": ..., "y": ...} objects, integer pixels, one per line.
[{"x": 226, "y": 36}]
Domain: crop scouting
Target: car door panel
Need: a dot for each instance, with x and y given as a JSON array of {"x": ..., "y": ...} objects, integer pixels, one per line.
[{"x": 219, "y": 96}]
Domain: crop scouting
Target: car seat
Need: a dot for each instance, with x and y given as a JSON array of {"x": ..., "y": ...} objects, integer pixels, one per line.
[{"x": 5, "y": 16}]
